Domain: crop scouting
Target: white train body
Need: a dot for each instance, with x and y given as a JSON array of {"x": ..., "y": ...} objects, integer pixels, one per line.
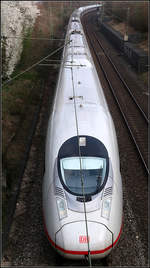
[{"x": 80, "y": 105}]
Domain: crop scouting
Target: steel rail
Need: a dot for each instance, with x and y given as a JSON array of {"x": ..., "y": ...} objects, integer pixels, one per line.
[
  {"x": 116, "y": 99},
  {"x": 122, "y": 79}
]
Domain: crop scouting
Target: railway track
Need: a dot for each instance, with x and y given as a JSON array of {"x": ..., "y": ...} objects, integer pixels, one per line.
[{"x": 133, "y": 114}]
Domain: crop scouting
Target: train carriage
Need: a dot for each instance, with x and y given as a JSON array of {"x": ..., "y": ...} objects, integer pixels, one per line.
[{"x": 82, "y": 186}]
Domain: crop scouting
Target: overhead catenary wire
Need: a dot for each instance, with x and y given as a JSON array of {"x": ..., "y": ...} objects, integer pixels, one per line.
[
  {"x": 81, "y": 170},
  {"x": 35, "y": 64},
  {"x": 31, "y": 38}
]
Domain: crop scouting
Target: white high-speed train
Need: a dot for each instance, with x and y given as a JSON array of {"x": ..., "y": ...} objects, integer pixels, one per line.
[{"x": 82, "y": 186}]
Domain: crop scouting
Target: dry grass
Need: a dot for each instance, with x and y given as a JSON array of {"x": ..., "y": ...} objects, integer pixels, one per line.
[
  {"x": 120, "y": 27},
  {"x": 137, "y": 19}
]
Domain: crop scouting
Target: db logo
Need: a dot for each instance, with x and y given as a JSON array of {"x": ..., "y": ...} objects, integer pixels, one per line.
[{"x": 83, "y": 239}]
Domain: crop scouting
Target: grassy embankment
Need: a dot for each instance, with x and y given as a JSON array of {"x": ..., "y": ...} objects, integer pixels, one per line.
[{"x": 21, "y": 97}]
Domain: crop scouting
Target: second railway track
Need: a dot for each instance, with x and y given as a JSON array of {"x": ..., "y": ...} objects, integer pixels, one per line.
[{"x": 135, "y": 118}]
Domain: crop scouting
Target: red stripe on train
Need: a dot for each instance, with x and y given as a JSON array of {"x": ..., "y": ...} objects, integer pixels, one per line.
[{"x": 81, "y": 252}]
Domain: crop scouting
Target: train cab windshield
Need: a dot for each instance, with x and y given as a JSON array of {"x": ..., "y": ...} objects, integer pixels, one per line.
[
  {"x": 79, "y": 172},
  {"x": 85, "y": 173}
]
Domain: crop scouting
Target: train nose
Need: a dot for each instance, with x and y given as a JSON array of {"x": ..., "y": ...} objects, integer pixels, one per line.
[{"x": 72, "y": 240}]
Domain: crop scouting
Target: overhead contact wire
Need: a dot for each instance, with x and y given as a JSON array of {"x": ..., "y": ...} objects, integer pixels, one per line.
[
  {"x": 35, "y": 64},
  {"x": 31, "y": 38},
  {"x": 82, "y": 182}
]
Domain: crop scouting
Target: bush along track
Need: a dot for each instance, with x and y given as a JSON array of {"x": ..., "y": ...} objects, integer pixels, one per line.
[
  {"x": 24, "y": 108},
  {"x": 22, "y": 100}
]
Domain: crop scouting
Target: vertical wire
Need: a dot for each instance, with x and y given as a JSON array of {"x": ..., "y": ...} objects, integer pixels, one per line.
[{"x": 82, "y": 182}]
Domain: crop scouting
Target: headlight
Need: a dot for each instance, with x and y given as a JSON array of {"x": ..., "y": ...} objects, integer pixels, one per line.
[
  {"x": 106, "y": 206},
  {"x": 62, "y": 209}
]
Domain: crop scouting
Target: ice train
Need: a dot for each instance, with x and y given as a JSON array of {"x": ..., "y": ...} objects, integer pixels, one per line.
[{"x": 82, "y": 185}]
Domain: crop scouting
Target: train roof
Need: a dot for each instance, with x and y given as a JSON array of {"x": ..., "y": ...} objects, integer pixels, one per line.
[
  {"x": 79, "y": 86},
  {"x": 92, "y": 112}
]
